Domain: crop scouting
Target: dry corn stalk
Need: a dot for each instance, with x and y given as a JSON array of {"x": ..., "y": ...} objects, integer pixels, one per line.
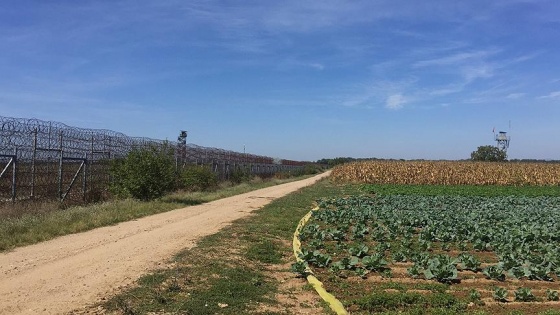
[{"x": 448, "y": 173}]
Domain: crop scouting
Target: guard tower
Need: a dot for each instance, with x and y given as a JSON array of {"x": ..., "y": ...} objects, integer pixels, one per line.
[
  {"x": 502, "y": 141},
  {"x": 181, "y": 149}
]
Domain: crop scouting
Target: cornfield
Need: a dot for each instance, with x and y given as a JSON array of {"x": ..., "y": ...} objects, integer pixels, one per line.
[{"x": 448, "y": 173}]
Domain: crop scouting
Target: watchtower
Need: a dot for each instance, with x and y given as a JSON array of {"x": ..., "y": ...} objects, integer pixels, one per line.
[
  {"x": 502, "y": 141},
  {"x": 181, "y": 149}
]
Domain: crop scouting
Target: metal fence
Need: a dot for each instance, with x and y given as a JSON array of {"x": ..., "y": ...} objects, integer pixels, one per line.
[{"x": 43, "y": 160}]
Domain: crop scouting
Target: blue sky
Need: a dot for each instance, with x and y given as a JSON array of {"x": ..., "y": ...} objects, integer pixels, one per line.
[{"x": 298, "y": 79}]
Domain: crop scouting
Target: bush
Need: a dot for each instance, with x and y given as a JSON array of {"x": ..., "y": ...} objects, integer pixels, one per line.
[
  {"x": 146, "y": 173},
  {"x": 308, "y": 169},
  {"x": 283, "y": 175},
  {"x": 239, "y": 175},
  {"x": 197, "y": 178},
  {"x": 312, "y": 169}
]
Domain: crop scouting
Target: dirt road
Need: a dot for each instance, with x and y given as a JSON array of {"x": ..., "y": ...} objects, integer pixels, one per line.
[{"x": 70, "y": 272}]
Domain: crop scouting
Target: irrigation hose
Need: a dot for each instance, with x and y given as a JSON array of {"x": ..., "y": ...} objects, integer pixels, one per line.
[{"x": 333, "y": 302}]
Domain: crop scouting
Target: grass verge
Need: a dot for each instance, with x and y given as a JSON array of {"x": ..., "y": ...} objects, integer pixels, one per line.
[
  {"x": 40, "y": 226},
  {"x": 243, "y": 269}
]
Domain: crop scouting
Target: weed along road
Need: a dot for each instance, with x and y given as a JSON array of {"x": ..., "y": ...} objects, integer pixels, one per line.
[{"x": 70, "y": 272}]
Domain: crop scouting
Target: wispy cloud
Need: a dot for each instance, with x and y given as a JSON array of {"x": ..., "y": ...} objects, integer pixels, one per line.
[
  {"x": 317, "y": 66},
  {"x": 395, "y": 102},
  {"x": 438, "y": 47},
  {"x": 526, "y": 57},
  {"x": 296, "y": 62},
  {"x": 515, "y": 96},
  {"x": 473, "y": 72},
  {"x": 446, "y": 90},
  {"x": 457, "y": 58},
  {"x": 468, "y": 66},
  {"x": 551, "y": 95},
  {"x": 389, "y": 94},
  {"x": 359, "y": 99},
  {"x": 494, "y": 92}
]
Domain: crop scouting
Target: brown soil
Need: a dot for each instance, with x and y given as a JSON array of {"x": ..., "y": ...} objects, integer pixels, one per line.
[
  {"x": 461, "y": 289},
  {"x": 293, "y": 293},
  {"x": 356, "y": 287},
  {"x": 73, "y": 271}
]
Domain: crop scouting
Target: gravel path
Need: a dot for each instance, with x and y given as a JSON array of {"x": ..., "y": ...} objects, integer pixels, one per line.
[{"x": 70, "y": 272}]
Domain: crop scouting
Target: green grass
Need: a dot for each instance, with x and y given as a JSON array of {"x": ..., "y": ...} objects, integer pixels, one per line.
[
  {"x": 231, "y": 267},
  {"x": 437, "y": 311},
  {"x": 235, "y": 288},
  {"x": 40, "y": 226},
  {"x": 227, "y": 292},
  {"x": 265, "y": 250},
  {"x": 434, "y": 287},
  {"x": 382, "y": 301}
]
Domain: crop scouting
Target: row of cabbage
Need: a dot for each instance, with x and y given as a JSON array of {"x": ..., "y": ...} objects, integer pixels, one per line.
[{"x": 437, "y": 236}]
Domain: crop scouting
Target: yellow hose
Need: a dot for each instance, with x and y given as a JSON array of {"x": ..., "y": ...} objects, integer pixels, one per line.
[{"x": 333, "y": 302}]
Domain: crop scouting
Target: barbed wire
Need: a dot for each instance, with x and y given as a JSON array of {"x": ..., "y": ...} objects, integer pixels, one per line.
[
  {"x": 51, "y": 156},
  {"x": 33, "y": 136}
]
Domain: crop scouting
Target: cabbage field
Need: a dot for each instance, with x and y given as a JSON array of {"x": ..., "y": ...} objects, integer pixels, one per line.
[{"x": 437, "y": 249}]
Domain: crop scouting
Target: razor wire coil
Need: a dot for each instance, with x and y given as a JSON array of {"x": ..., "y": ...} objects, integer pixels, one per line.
[{"x": 50, "y": 157}]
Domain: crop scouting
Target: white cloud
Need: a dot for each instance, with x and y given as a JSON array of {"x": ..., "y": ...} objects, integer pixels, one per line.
[
  {"x": 372, "y": 95},
  {"x": 291, "y": 63},
  {"x": 447, "y": 90},
  {"x": 551, "y": 95},
  {"x": 457, "y": 58},
  {"x": 515, "y": 96},
  {"x": 359, "y": 99},
  {"x": 471, "y": 73},
  {"x": 317, "y": 66},
  {"x": 395, "y": 101},
  {"x": 526, "y": 57},
  {"x": 469, "y": 65}
]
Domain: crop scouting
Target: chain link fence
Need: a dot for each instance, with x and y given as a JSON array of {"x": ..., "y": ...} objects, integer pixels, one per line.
[{"x": 43, "y": 160}]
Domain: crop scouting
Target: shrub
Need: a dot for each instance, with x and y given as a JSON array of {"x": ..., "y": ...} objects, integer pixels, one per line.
[
  {"x": 312, "y": 169},
  {"x": 239, "y": 175},
  {"x": 198, "y": 178},
  {"x": 145, "y": 173}
]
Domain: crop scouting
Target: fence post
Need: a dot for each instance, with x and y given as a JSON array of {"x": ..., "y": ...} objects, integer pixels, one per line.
[
  {"x": 108, "y": 177},
  {"x": 33, "y": 158},
  {"x": 84, "y": 187},
  {"x": 60, "y": 163},
  {"x": 91, "y": 168},
  {"x": 110, "y": 147},
  {"x": 14, "y": 175}
]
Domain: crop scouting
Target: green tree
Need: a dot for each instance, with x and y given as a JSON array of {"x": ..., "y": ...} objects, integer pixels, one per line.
[
  {"x": 145, "y": 173},
  {"x": 488, "y": 153}
]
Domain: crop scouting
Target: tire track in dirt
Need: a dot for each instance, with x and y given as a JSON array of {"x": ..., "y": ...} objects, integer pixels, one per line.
[{"x": 70, "y": 272}]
